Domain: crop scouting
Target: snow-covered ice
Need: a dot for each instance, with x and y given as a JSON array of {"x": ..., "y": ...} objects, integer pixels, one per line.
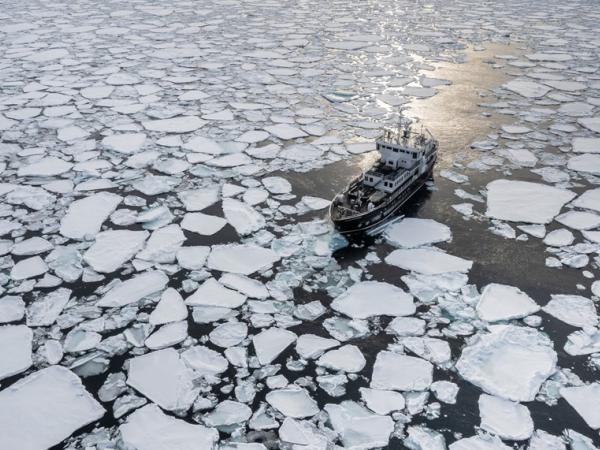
[
  {"x": 502, "y": 302},
  {"x": 401, "y": 372},
  {"x": 504, "y": 418},
  {"x": 490, "y": 360},
  {"x": 373, "y": 298},
  {"x": 523, "y": 201},
  {"x": 428, "y": 261},
  {"x": 31, "y": 424}
]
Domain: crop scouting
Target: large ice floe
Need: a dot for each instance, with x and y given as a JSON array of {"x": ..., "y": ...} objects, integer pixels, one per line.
[
  {"x": 168, "y": 276},
  {"x": 490, "y": 361}
]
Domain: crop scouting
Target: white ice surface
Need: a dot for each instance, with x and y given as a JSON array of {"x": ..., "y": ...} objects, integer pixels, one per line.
[
  {"x": 504, "y": 418},
  {"x": 293, "y": 402},
  {"x": 413, "y": 232},
  {"x": 85, "y": 216},
  {"x": 427, "y": 261},
  {"x": 502, "y": 302},
  {"x": 243, "y": 259},
  {"x": 373, "y": 298},
  {"x": 490, "y": 360},
  {"x": 44, "y": 408},
  {"x": 149, "y": 428},
  {"x": 575, "y": 310},
  {"x": 15, "y": 349},
  {"x": 134, "y": 289},
  {"x": 401, "y": 372},
  {"x": 585, "y": 400},
  {"x": 270, "y": 343},
  {"x": 522, "y": 201}
]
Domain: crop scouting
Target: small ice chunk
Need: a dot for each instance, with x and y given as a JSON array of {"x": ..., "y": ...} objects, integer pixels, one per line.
[
  {"x": 285, "y": 131},
  {"x": 310, "y": 346},
  {"x": 528, "y": 89},
  {"x": 422, "y": 438},
  {"x": 245, "y": 285},
  {"x": 587, "y": 162},
  {"x": 170, "y": 308},
  {"x": 412, "y": 232},
  {"x": 427, "y": 261},
  {"x": 44, "y": 408},
  {"x": 164, "y": 378},
  {"x": 28, "y": 268},
  {"x": 591, "y": 123},
  {"x": 347, "y": 358},
  {"x": 445, "y": 391},
  {"x": 359, "y": 428},
  {"x": 168, "y": 335},
  {"x": 134, "y": 289},
  {"x": 586, "y": 145},
  {"x": 381, "y": 401},
  {"x": 546, "y": 441},
  {"x": 199, "y": 199},
  {"x": 126, "y": 143},
  {"x": 32, "y": 246},
  {"x": 213, "y": 293},
  {"x": 575, "y": 310},
  {"x": 45, "y": 167},
  {"x": 502, "y": 302},
  {"x": 401, "y": 372},
  {"x": 480, "y": 442},
  {"x": 590, "y": 199},
  {"x": 585, "y": 400},
  {"x": 149, "y": 428},
  {"x": 270, "y": 343},
  {"x": 504, "y": 418},
  {"x": 113, "y": 248},
  {"x": 44, "y": 311},
  {"x": 163, "y": 245},
  {"x": 205, "y": 361},
  {"x": 182, "y": 124},
  {"x": 373, "y": 298},
  {"x": 229, "y": 334},
  {"x": 489, "y": 362},
  {"x": 277, "y": 185},
  {"x": 15, "y": 350},
  {"x": 243, "y": 259},
  {"x": 12, "y": 308},
  {"x": 579, "y": 220},
  {"x": 243, "y": 217},
  {"x": 228, "y": 413},
  {"x": 192, "y": 258},
  {"x": 559, "y": 238},
  {"x": 85, "y": 216},
  {"x": 293, "y": 402},
  {"x": 203, "y": 224},
  {"x": 522, "y": 201},
  {"x": 406, "y": 326}
]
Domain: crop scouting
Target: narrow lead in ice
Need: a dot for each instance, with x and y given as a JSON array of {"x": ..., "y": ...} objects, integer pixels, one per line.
[{"x": 44, "y": 408}]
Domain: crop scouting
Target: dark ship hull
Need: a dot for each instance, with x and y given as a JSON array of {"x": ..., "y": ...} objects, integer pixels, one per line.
[{"x": 363, "y": 223}]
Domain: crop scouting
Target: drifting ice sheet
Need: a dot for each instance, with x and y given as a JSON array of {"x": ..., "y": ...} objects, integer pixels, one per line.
[
  {"x": 401, "y": 372},
  {"x": 502, "y": 302},
  {"x": 585, "y": 400},
  {"x": 412, "y": 232},
  {"x": 504, "y": 418},
  {"x": 373, "y": 298},
  {"x": 427, "y": 261},
  {"x": 15, "y": 349},
  {"x": 44, "y": 408},
  {"x": 134, "y": 289},
  {"x": 244, "y": 259},
  {"x": 522, "y": 201},
  {"x": 85, "y": 216},
  {"x": 149, "y": 428},
  {"x": 490, "y": 361}
]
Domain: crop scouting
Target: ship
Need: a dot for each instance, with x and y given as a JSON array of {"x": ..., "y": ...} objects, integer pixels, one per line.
[{"x": 407, "y": 157}]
